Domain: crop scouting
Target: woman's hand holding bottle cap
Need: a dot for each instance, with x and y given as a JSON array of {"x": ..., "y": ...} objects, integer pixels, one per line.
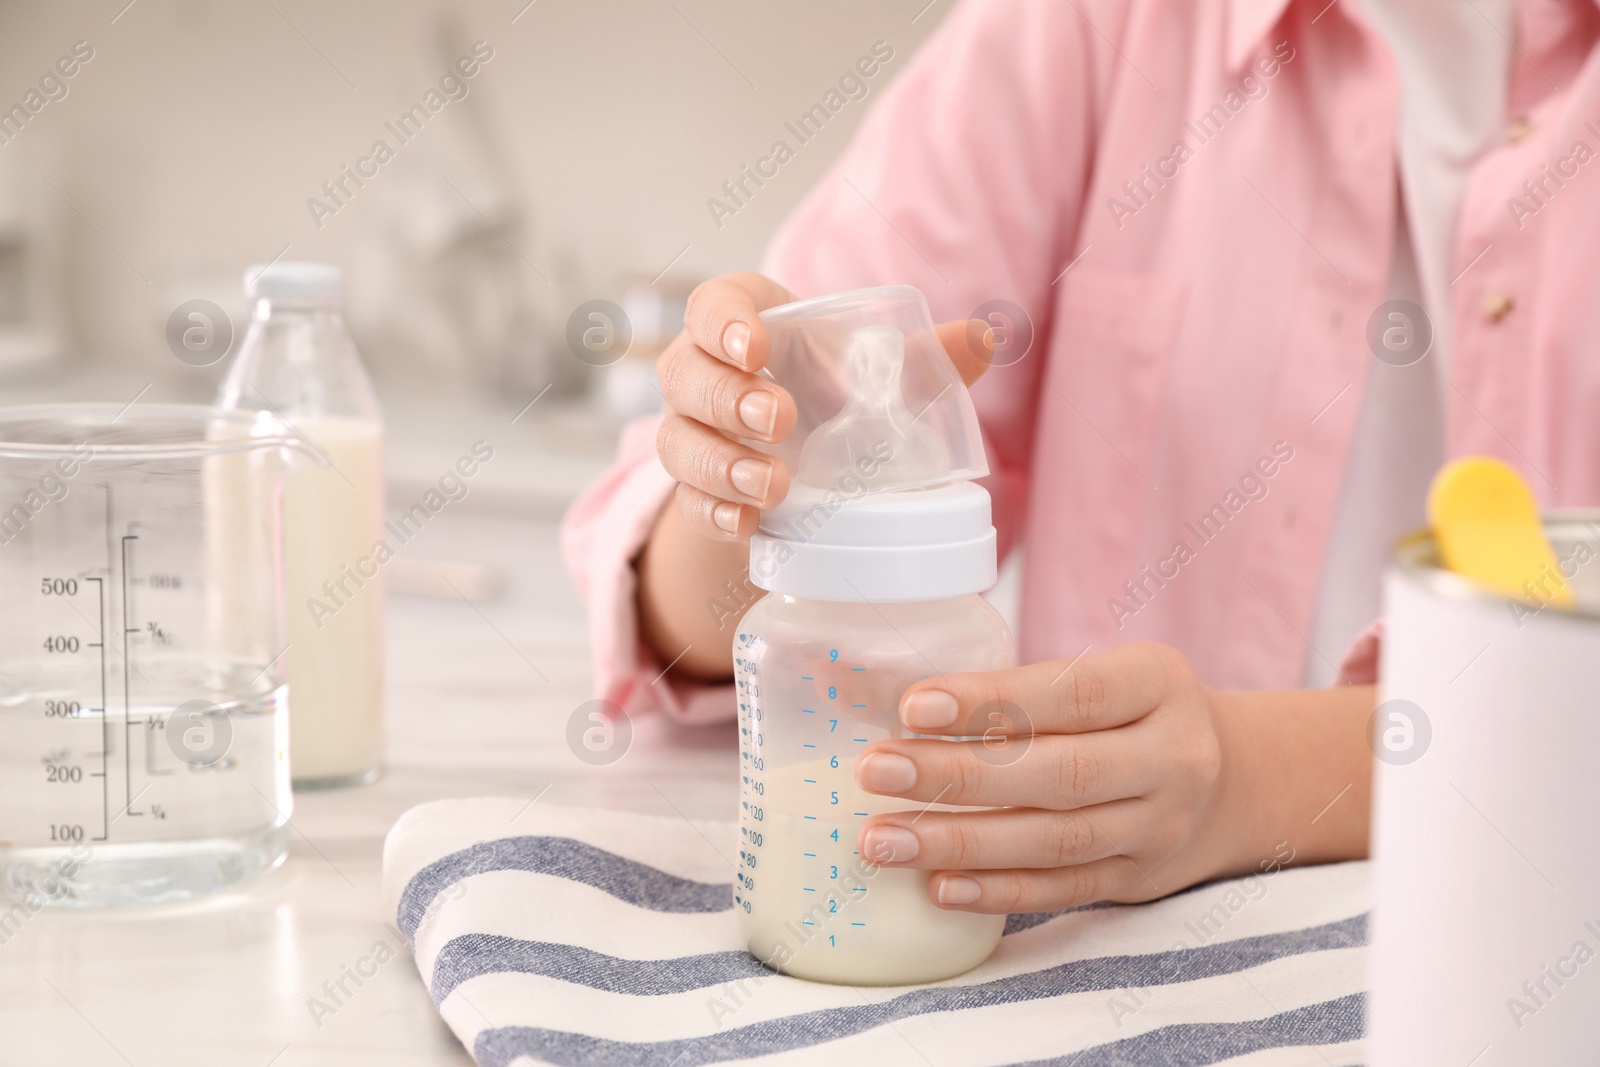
[{"x": 714, "y": 395}]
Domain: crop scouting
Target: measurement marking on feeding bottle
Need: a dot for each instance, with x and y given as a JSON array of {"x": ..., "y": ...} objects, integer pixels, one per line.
[{"x": 800, "y": 795}]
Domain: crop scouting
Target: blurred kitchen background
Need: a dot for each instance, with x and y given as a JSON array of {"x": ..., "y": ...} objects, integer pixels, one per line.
[
  {"x": 576, "y": 167},
  {"x": 183, "y": 147}
]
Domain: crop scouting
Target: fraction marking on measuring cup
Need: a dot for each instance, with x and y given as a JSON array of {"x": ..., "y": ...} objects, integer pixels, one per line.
[{"x": 127, "y": 685}]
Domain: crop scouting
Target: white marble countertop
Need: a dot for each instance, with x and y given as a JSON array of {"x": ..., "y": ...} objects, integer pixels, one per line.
[{"x": 478, "y": 700}]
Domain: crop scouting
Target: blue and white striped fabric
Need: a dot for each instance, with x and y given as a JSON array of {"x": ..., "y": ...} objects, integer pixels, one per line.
[{"x": 570, "y": 936}]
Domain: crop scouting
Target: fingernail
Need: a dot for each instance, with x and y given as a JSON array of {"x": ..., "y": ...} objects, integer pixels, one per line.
[
  {"x": 726, "y": 516},
  {"x": 889, "y": 844},
  {"x": 736, "y": 341},
  {"x": 758, "y": 410},
  {"x": 752, "y": 477},
  {"x": 958, "y": 889},
  {"x": 988, "y": 340},
  {"x": 885, "y": 772},
  {"x": 929, "y": 709}
]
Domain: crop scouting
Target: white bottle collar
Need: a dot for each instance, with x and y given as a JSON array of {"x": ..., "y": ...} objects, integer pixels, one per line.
[{"x": 906, "y": 545}]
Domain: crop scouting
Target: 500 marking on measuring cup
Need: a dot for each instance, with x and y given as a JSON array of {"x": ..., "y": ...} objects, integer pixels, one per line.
[{"x": 59, "y": 587}]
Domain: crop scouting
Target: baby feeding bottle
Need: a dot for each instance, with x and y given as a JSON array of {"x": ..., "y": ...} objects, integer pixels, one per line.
[{"x": 874, "y": 565}]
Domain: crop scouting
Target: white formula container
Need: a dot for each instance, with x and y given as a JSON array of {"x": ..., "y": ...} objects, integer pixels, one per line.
[{"x": 1486, "y": 889}]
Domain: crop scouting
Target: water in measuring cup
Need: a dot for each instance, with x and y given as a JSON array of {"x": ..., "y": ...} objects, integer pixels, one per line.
[
  {"x": 171, "y": 797},
  {"x": 811, "y": 905}
]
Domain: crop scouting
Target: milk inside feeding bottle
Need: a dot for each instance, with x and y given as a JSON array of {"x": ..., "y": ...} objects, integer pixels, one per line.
[
  {"x": 874, "y": 565},
  {"x": 298, "y": 361}
]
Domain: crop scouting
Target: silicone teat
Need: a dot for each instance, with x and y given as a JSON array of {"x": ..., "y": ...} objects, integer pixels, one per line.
[{"x": 874, "y": 438}]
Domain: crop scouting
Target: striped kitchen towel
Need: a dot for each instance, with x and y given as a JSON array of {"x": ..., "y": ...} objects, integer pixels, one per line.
[{"x": 572, "y": 936}]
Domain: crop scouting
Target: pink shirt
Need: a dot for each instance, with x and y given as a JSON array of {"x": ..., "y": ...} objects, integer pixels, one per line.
[{"x": 1195, "y": 206}]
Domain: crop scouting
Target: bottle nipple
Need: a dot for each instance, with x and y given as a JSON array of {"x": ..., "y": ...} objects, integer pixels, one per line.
[{"x": 875, "y": 438}]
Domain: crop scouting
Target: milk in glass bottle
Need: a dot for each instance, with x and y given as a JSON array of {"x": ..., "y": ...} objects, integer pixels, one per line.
[{"x": 298, "y": 361}]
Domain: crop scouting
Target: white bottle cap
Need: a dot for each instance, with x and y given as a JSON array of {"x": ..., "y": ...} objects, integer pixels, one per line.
[
  {"x": 848, "y": 544},
  {"x": 312, "y": 283}
]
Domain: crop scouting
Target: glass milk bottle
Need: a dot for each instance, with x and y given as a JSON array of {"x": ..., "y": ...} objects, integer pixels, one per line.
[
  {"x": 873, "y": 566},
  {"x": 298, "y": 361}
]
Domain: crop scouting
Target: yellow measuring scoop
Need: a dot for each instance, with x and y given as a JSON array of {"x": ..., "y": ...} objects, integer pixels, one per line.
[{"x": 1487, "y": 528}]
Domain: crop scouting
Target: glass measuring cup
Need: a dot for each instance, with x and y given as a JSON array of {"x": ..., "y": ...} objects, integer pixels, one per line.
[{"x": 143, "y": 727}]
